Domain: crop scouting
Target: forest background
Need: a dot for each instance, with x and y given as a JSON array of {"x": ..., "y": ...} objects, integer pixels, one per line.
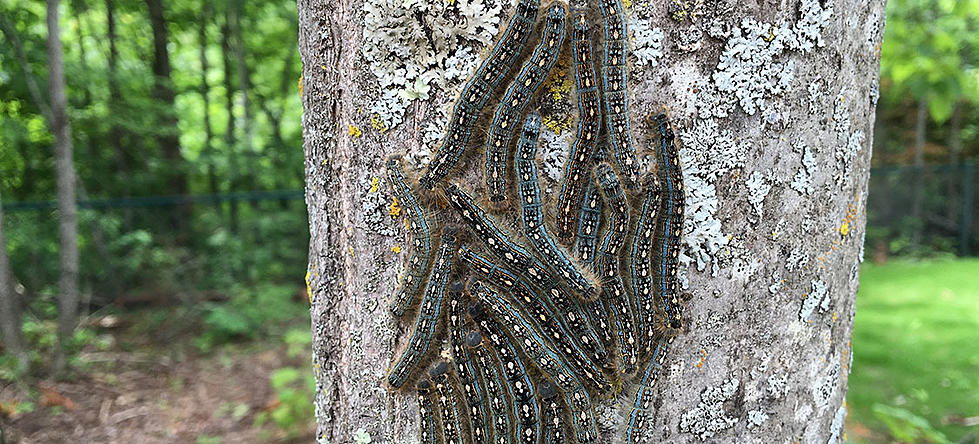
[{"x": 186, "y": 161}]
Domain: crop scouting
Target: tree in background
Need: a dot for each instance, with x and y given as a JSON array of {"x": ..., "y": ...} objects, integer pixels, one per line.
[
  {"x": 10, "y": 307},
  {"x": 774, "y": 105}
]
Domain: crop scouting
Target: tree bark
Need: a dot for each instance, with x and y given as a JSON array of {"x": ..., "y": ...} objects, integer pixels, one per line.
[
  {"x": 169, "y": 135},
  {"x": 774, "y": 107},
  {"x": 208, "y": 152},
  {"x": 230, "y": 140},
  {"x": 65, "y": 170},
  {"x": 10, "y": 307}
]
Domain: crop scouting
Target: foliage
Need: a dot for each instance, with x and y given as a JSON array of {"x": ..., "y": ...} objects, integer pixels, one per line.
[
  {"x": 251, "y": 312},
  {"x": 905, "y": 426},
  {"x": 294, "y": 389},
  {"x": 914, "y": 346}
]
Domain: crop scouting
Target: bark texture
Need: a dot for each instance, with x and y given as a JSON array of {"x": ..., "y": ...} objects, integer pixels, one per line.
[
  {"x": 10, "y": 307},
  {"x": 774, "y": 107}
]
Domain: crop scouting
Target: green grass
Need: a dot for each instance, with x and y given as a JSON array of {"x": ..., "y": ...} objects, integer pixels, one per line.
[{"x": 916, "y": 344}]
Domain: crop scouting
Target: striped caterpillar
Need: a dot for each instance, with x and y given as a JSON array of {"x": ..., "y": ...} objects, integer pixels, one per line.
[
  {"x": 478, "y": 91},
  {"x": 557, "y": 315},
  {"x": 452, "y": 422},
  {"x": 591, "y": 216},
  {"x": 517, "y": 96},
  {"x": 500, "y": 398},
  {"x": 515, "y": 373},
  {"x": 577, "y": 171},
  {"x": 670, "y": 224},
  {"x": 608, "y": 263},
  {"x": 421, "y": 242},
  {"x": 641, "y": 264},
  {"x": 470, "y": 379},
  {"x": 616, "y": 104},
  {"x": 551, "y": 412},
  {"x": 644, "y": 396},
  {"x": 532, "y": 212},
  {"x": 547, "y": 360},
  {"x": 428, "y": 315},
  {"x": 426, "y": 414}
]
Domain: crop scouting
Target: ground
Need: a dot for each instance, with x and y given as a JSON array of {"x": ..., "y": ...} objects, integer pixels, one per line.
[{"x": 136, "y": 392}]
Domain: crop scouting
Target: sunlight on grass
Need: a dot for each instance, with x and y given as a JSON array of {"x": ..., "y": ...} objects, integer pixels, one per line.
[{"x": 915, "y": 345}]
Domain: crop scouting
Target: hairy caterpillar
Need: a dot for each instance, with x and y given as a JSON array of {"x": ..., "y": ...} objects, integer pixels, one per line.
[
  {"x": 577, "y": 171},
  {"x": 557, "y": 327},
  {"x": 448, "y": 404},
  {"x": 517, "y": 378},
  {"x": 532, "y": 211},
  {"x": 670, "y": 225},
  {"x": 614, "y": 80},
  {"x": 547, "y": 360},
  {"x": 516, "y": 98},
  {"x": 478, "y": 91},
  {"x": 426, "y": 414},
  {"x": 551, "y": 414},
  {"x": 470, "y": 380},
  {"x": 501, "y": 401},
  {"x": 641, "y": 264},
  {"x": 428, "y": 315},
  {"x": 590, "y": 216},
  {"x": 612, "y": 286},
  {"x": 644, "y": 396},
  {"x": 421, "y": 241}
]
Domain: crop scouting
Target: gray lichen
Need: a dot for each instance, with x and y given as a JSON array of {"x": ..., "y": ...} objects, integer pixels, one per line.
[
  {"x": 802, "y": 182},
  {"x": 818, "y": 296},
  {"x": 709, "y": 416},
  {"x": 758, "y": 188}
]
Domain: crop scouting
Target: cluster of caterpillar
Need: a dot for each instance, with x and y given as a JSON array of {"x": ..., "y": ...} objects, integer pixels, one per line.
[{"x": 540, "y": 331}]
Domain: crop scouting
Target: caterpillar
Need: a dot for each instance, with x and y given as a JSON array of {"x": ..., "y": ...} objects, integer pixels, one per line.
[
  {"x": 590, "y": 216},
  {"x": 551, "y": 414},
  {"x": 616, "y": 101},
  {"x": 478, "y": 90},
  {"x": 500, "y": 399},
  {"x": 421, "y": 241},
  {"x": 452, "y": 425},
  {"x": 428, "y": 315},
  {"x": 556, "y": 327},
  {"x": 670, "y": 224},
  {"x": 473, "y": 388},
  {"x": 644, "y": 396},
  {"x": 577, "y": 170},
  {"x": 612, "y": 286},
  {"x": 502, "y": 315},
  {"x": 426, "y": 414},
  {"x": 495, "y": 239},
  {"x": 532, "y": 212},
  {"x": 518, "y": 94},
  {"x": 641, "y": 264},
  {"x": 517, "y": 378}
]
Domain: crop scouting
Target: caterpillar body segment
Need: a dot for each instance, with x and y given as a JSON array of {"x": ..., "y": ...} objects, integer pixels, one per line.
[
  {"x": 479, "y": 89},
  {"x": 532, "y": 212},
  {"x": 641, "y": 265},
  {"x": 644, "y": 395},
  {"x": 517, "y": 97},
  {"x": 499, "y": 395},
  {"x": 426, "y": 324},
  {"x": 470, "y": 378},
  {"x": 449, "y": 404},
  {"x": 421, "y": 240}
]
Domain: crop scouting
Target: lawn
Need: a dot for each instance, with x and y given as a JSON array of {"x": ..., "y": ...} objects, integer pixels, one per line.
[{"x": 915, "y": 351}]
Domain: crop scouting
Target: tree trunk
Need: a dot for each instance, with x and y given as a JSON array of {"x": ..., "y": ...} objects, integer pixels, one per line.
[
  {"x": 65, "y": 169},
  {"x": 230, "y": 141},
  {"x": 123, "y": 157},
  {"x": 10, "y": 307},
  {"x": 169, "y": 135},
  {"x": 774, "y": 108},
  {"x": 208, "y": 152},
  {"x": 917, "y": 196},
  {"x": 235, "y": 10}
]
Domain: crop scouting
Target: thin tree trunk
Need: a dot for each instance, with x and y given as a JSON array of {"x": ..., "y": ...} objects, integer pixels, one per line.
[
  {"x": 65, "y": 170},
  {"x": 123, "y": 158},
  {"x": 236, "y": 10},
  {"x": 917, "y": 193},
  {"x": 212, "y": 177},
  {"x": 10, "y": 307},
  {"x": 230, "y": 141},
  {"x": 169, "y": 136},
  {"x": 772, "y": 242}
]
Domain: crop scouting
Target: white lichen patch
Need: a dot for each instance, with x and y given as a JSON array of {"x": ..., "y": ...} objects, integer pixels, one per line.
[
  {"x": 647, "y": 43},
  {"x": 758, "y": 188},
  {"x": 776, "y": 386},
  {"x": 552, "y": 155},
  {"x": 823, "y": 388},
  {"x": 818, "y": 296},
  {"x": 410, "y": 45},
  {"x": 709, "y": 417},
  {"x": 756, "y": 418},
  {"x": 815, "y": 95},
  {"x": 374, "y": 206},
  {"x": 836, "y": 428},
  {"x": 802, "y": 182}
]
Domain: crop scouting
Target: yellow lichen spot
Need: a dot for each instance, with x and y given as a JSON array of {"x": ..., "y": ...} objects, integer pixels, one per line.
[
  {"x": 703, "y": 359},
  {"x": 771, "y": 35},
  {"x": 394, "y": 210},
  {"x": 354, "y": 131},
  {"x": 834, "y": 316},
  {"x": 351, "y": 250},
  {"x": 396, "y": 249},
  {"x": 378, "y": 124},
  {"x": 300, "y": 86},
  {"x": 627, "y": 3},
  {"x": 845, "y": 228},
  {"x": 309, "y": 288},
  {"x": 323, "y": 67},
  {"x": 375, "y": 184}
]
